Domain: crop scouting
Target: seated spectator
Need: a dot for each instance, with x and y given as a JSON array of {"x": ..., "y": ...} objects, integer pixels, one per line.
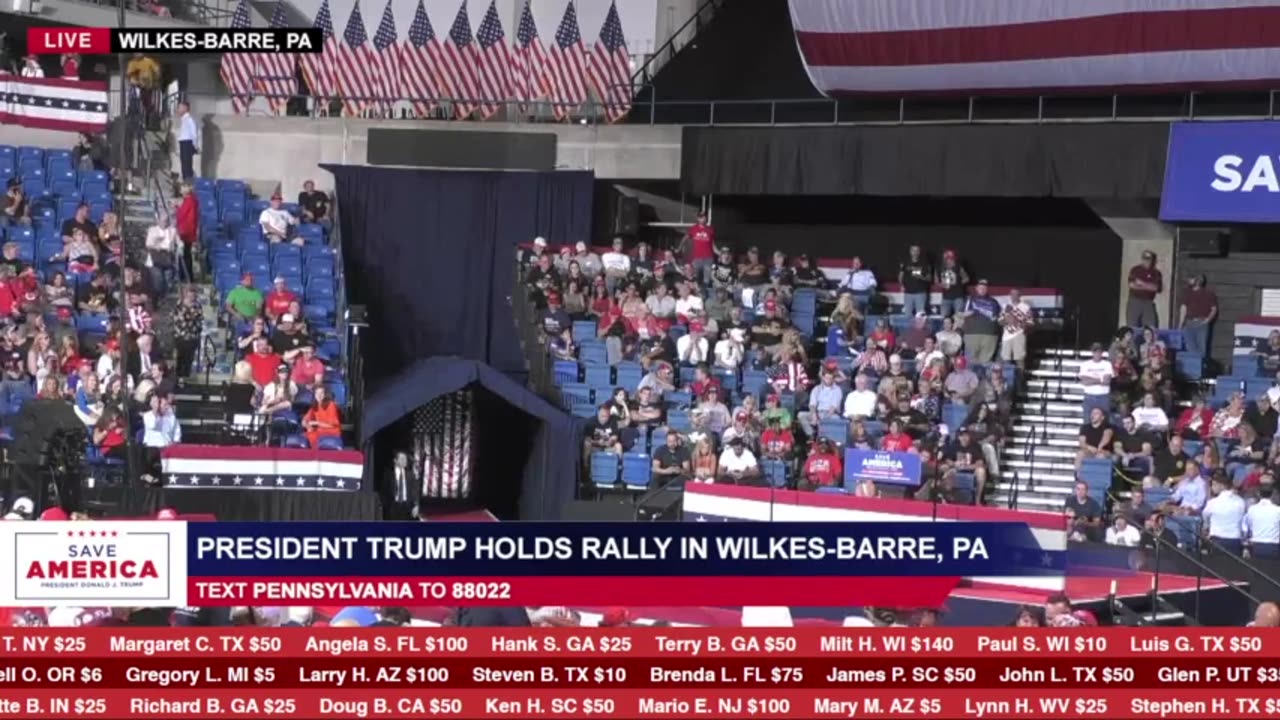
[
  {"x": 730, "y": 350},
  {"x": 1085, "y": 514},
  {"x": 1262, "y": 417},
  {"x": 847, "y": 317},
  {"x": 661, "y": 305},
  {"x": 278, "y": 394},
  {"x": 601, "y": 435},
  {"x": 1226, "y": 422},
  {"x": 9, "y": 258},
  {"x": 308, "y": 369},
  {"x": 1123, "y": 533},
  {"x": 1158, "y": 532},
  {"x": 872, "y": 360},
  {"x": 913, "y": 422},
  {"x": 823, "y": 468},
  {"x": 1195, "y": 421},
  {"x": 660, "y": 380},
  {"x": 1136, "y": 509},
  {"x": 672, "y": 461},
  {"x": 705, "y": 465},
  {"x": 17, "y": 209},
  {"x": 768, "y": 328},
  {"x": 1250, "y": 451},
  {"x": 313, "y": 204},
  {"x": 108, "y": 359},
  {"x": 161, "y": 429},
  {"x": 81, "y": 253},
  {"x": 50, "y": 389},
  {"x": 883, "y": 336},
  {"x": 263, "y": 361},
  {"x": 826, "y": 400},
  {"x": 1169, "y": 462},
  {"x": 277, "y": 223},
  {"x": 965, "y": 456},
  {"x": 689, "y": 304},
  {"x": 777, "y": 442},
  {"x": 244, "y": 302},
  {"x": 861, "y": 401},
  {"x": 711, "y": 411},
  {"x": 616, "y": 264},
  {"x": 252, "y": 333},
  {"x": 589, "y": 263},
  {"x": 42, "y": 359},
  {"x": 913, "y": 339},
  {"x": 554, "y": 318},
  {"x": 805, "y": 275},
  {"x": 789, "y": 376},
  {"x": 288, "y": 339},
  {"x": 1096, "y": 437},
  {"x": 96, "y": 296},
  {"x": 645, "y": 411},
  {"x": 1133, "y": 447},
  {"x": 1185, "y": 504},
  {"x": 738, "y": 465},
  {"x": 1151, "y": 347},
  {"x": 693, "y": 348},
  {"x": 57, "y": 294},
  {"x": 896, "y": 439},
  {"x": 792, "y": 345},
  {"x": 109, "y": 434},
  {"x": 79, "y": 221},
  {"x": 277, "y": 302},
  {"x": 896, "y": 381},
  {"x": 323, "y": 418},
  {"x": 575, "y": 299},
  {"x": 139, "y": 319},
  {"x": 1149, "y": 416}
]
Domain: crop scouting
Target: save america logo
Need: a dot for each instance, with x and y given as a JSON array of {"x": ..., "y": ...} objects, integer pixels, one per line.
[{"x": 100, "y": 562}]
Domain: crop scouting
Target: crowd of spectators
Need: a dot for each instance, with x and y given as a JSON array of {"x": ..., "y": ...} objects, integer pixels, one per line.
[{"x": 715, "y": 364}]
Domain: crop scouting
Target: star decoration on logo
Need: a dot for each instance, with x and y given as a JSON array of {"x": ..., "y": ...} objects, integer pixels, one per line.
[
  {"x": 280, "y": 482},
  {"x": 257, "y": 482},
  {"x": 194, "y": 480},
  {"x": 1047, "y": 559},
  {"x": 320, "y": 481},
  {"x": 342, "y": 483},
  {"x": 301, "y": 481},
  {"x": 216, "y": 481}
]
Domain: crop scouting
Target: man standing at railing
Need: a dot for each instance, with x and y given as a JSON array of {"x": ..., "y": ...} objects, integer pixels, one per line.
[{"x": 188, "y": 141}]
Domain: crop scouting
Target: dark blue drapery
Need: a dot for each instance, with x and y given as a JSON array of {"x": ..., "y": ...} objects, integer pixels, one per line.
[{"x": 431, "y": 255}]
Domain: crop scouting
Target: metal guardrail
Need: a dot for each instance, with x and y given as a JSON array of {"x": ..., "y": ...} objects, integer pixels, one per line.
[{"x": 800, "y": 111}]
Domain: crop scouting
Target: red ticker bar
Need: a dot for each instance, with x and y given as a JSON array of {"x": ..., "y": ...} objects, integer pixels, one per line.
[
  {"x": 663, "y": 705},
  {"x": 635, "y": 673},
  {"x": 443, "y": 643}
]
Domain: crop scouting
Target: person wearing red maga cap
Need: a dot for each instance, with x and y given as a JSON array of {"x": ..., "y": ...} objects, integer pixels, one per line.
[
  {"x": 55, "y": 514},
  {"x": 954, "y": 281},
  {"x": 693, "y": 348},
  {"x": 167, "y": 514}
]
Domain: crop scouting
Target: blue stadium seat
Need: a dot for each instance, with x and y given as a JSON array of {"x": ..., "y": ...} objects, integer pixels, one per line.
[
  {"x": 604, "y": 469},
  {"x": 292, "y": 267},
  {"x": 677, "y": 399},
  {"x": 1189, "y": 365},
  {"x": 953, "y": 415},
  {"x": 593, "y": 354},
  {"x": 93, "y": 176},
  {"x": 329, "y": 442},
  {"x": 578, "y": 392},
  {"x": 296, "y": 441},
  {"x": 775, "y": 472},
  {"x": 28, "y": 153},
  {"x": 687, "y": 374},
  {"x": 597, "y": 375},
  {"x": 318, "y": 268},
  {"x": 679, "y": 420},
  {"x": 628, "y": 375},
  {"x": 583, "y": 330},
  {"x": 834, "y": 429},
  {"x": 565, "y": 371},
  {"x": 637, "y": 471},
  {"x": 21, "y": 234},
  {"x": 311, "y": 233},
  {"x": 338, "y": 389}
]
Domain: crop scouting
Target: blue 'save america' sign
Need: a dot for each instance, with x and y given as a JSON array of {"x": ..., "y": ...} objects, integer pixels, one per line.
[{"x": 892, "y": 468}]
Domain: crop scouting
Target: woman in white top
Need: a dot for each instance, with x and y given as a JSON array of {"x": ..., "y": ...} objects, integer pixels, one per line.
[
  {"x": 32, "y": 68},
  {"x": 950, "y": 341},
  {"x": 162, "y": 248},
  {"x": 41, "y": 359},
  {"x": 1150, "y": 416},
  {"x": 1122, "y": 533},
  {"x": 278, "y": 395}
]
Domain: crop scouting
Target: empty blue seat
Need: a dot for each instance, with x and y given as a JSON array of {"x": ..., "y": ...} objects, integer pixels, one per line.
[
  {"x": 604, "y": 469},
  {"x": 834, "y": 429},
  {"x": 598, "y": 375},
  {"x": 637, "y": 471},
  {"x": 329, "y": 442},
  {"x": 93, "y": 176},
  {"x": 679, "y": 420},
  {"x": 776, "y": 472},
  {"x": 677, "y": 398},
  {"x": 296, "y": 441},
  {"x": 583, "y": 329},
  {"x": 565, "y": 371},
  {"x": 593, "y": 354},
  {"x": 578, "y": 392},
  {"x": 311, "y": 231},
  {"x": 293, "y": 267},
  {"x": 628, "y": 375}
]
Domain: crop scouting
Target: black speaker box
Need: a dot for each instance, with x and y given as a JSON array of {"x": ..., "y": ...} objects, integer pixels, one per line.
[
  {"x": 1210, "y": 242},
  {"x": 628, "y": 218},
  {"x": 36, "y": 424},
  {"x": 606, "y": 510}
]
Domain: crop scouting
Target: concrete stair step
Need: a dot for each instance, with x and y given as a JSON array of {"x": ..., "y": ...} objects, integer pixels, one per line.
[
  {"x": 1026, "y": 467},
  {"x": 1035, "y": 396},
  {"x": 1026, "y": 500},
  {"x": 1054, "y": 385},
  {"x": 1018, "y": 452},
  {"x": 1059, "y": 420},
  {"x": 1051, "y": 407},
  {"x": 1050, "y": 373},
  {"x": 1060, "y": 353},
  {"x": 1036, "y": 430}
]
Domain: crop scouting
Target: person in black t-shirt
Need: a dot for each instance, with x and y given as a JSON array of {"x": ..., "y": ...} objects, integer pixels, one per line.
[
  {"x": 80, "y": 221},
  {"x": 671, "y": 461},
  {"x": 724, "y": 273},
  {"x": 916, "y": 276},
  {"x": 601, "y": 435},
  {"x": 1096, "y": 437},
  {"x": 1169, "y": 463},
  {"x": 1156, "y": 529},
  {"x": 1085, "y": 513},
  {"x": 313, "y": 203},
  {"x": 1250, "y": 451},
  {"x": 806, "y": 275},
  {"x": 913, "y": 422},
  {"x": 752, "y": 272},
  {"x": 1262, "y": 416},
  {"x": 1133, "y": 446},
  {"x": 10, "y": 258},
  {"x": 964, "y": 455},
  {"x": 954, "y": 280},
  {"x": 287, "y": 341}
]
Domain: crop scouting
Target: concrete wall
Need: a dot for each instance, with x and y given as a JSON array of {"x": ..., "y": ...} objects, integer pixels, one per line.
[
  {"x": 287, "y": 151},
  {"x": 1139, "y": 230}
]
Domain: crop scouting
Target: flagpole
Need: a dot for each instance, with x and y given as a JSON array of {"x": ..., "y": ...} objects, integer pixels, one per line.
[{"x": 121, "y": 205}]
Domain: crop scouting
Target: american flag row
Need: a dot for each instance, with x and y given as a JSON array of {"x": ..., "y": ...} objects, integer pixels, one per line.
[{"x": 476, "y": 73}]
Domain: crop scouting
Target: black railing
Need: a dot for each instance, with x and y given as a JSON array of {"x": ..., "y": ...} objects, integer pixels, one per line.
[
  {"x": 643, "y": 77},
  {"x": 1184, "y": 558}
]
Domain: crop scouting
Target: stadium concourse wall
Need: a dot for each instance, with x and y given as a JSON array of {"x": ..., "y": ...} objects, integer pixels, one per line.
[{"x": 284, "y": 152}]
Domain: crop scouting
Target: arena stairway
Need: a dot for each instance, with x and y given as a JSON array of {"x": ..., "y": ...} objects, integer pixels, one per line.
[{"x": 1039, "y": 455}]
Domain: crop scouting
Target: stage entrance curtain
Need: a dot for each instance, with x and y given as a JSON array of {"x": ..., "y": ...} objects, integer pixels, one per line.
[
  {"x": 431, "y": 255},
  {"x": 525, "y": 457}
]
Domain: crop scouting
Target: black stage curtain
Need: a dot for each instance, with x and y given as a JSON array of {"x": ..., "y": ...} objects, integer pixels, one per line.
[
  {"x": 257, "y": 505},
  {"x": 526, "y": 450},
  {"x": 1104, "y": 160},
  {"x": 430, "y": 254}
]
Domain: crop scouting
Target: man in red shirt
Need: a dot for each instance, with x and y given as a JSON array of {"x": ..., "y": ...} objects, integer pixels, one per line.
[
  {"x": 263, "y": 362},
  {"x": 777, "y": 442},
  {"x": 277, "y": 301},
  {"x": 1199, "y": 307},
  {"x": 1145, "y": 282},
  {"x": 699, "y": 247},
  {"x": 823, "y": 468}
]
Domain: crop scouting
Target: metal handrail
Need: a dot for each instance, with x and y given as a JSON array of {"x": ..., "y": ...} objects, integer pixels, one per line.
[
  {"x": 819, "y": 112},
  {"x": 643, "y": 77},
  {"x": 1160, "y": 543},
  {"x": 1244, "y": 564}
]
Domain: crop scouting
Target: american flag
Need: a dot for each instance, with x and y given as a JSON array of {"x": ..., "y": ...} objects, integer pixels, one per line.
[
  {"x": 530, "y": 68},
  {"x": 610, "y": 70},
  {"x": 276, "y": 70},
  {"x": 319, "y": 69},
  {"x": 420, "y": 63},
  {"x": 494, "y": 62},
  {"x": 442, "y": 431},
  {"x": 387, "y": 57},
  {"x": 238, "y": 70},
  {"x": 355, "y": 65},
  {"x": 568, "y": 65},
  {"x": 458, "y": 71}
]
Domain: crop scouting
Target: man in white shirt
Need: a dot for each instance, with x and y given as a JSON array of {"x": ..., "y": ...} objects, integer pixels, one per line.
[
  {"x": 617, "y": 264},
  {"x": 1016, "y": 319},
  {"x": 738, "y": 465},
  {"x": 660, "y": 304},
  {"x": 693, "y": 348},
  {"x": 160, "y": 429},
  {"x": 1224, "y": 515},
  {"x": 276, "y": 221},
  {"x": 1262, "y": 527},
  {"x": 860, "y": 281},
  {"x": 31, "y": 68},
  {"x": 188, "y": 141},
  {"x": 1095, "y": 374},
  {"x": 1122, "y": 533},
  {"x": 730, "y": 350},
  {"x": 861, "y": 402}
]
